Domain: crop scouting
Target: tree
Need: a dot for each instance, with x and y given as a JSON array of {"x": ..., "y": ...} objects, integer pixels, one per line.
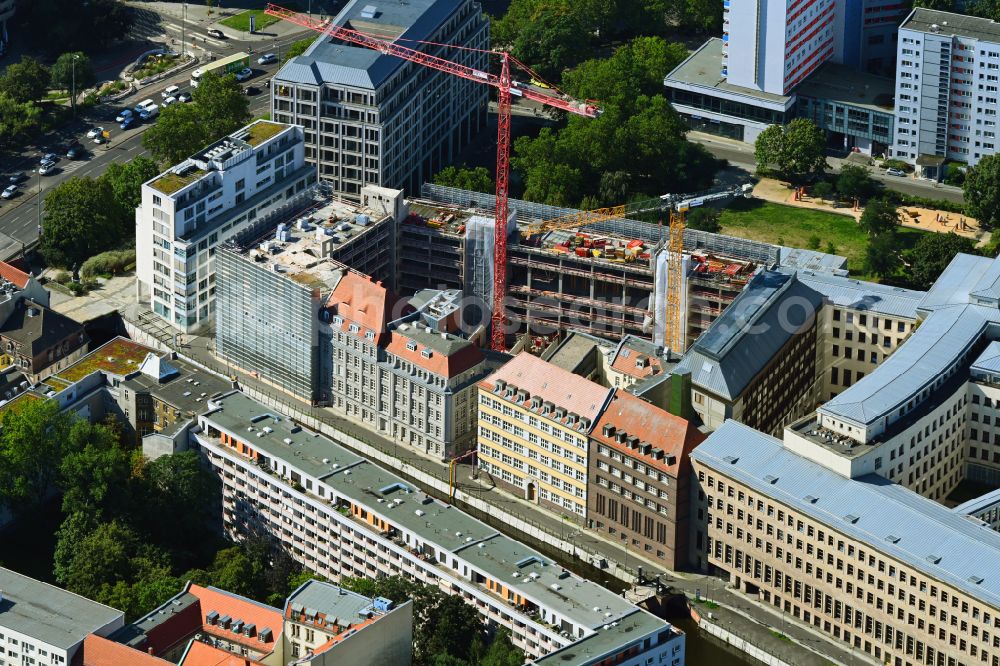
[
  {"x": 80, "y": 221},
  {"x": 476, "y": 179},
  {"x": 704, "y": 218},
  {"x": 223, "y": 106},
  {"x": 25, "y": 81},
  {"x": 796, "y": 150},
  {"x": 297, "y": 49},
  {"x": 235, "y": 571},
  {"x": 95, "y": 471},
  {"x": 882, "y": 255},
  {"x": 855, "y": 182},
  {"x": 555, "y": 39},
  {"x": 879, "y": 217},
  {"x": 62, "y": 74},
  {"x": 450, "y": 629},
  {"x": 823, "y": 189},
  {"x": 178, "y": 133},
  {"x": 982, "y": 192},
  {"x": 932, "y": 254},
  {"x": 502, "y": 652},
  {"x": 814, "y": 242},
  {"x": 32, "y": 446},
  {"x": 18, "y": 120},
  {"x": 102, "y": 558},
  {"x": 126, "y": 183},
  {"x": 939, "y": 5}
]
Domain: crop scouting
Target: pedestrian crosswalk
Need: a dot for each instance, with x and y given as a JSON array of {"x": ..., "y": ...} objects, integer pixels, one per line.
[{"x": 192, "y": 36}]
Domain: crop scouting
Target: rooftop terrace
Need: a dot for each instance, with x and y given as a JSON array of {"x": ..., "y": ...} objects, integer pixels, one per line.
[
  {"x": 117, "y": 357},
  {"x": 172, "y": 181}
]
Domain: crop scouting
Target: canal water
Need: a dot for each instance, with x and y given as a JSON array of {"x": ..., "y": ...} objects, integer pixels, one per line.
[{"x": 702, "y": 649}]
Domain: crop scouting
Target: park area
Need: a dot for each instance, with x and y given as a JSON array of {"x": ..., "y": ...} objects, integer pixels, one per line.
[
  {"x": 801, "y": 227},
  {"x": 241, "y": 21}
]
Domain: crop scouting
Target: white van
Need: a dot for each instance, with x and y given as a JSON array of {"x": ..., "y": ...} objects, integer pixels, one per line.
[
  {"x": 141, "y": 106},
  {"x": 170, "y": 91},
  {"x": 150, "y": 112}
]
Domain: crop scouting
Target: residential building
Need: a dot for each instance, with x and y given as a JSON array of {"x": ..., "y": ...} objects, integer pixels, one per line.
[
  {"x": 326, "y": 625},
  {"x": 639, "y": 478},
  {"x": 898, "y": 578},
  {"x": 947, "y": 74},
  {"x": 757, "y": 362},
  {"x": 40, "y": 342},
  {"x": 201, "y": 622},
  {"x": 775, "y": 44},
  {"x": 43, "y": 624},
  {"x": 534, "y": 423},
  {"x": 337, "y": 514},
  {"x": 99, "y": 651},
  {"x": 375, "y": 119},
  {"x": 248, "y": 180}
]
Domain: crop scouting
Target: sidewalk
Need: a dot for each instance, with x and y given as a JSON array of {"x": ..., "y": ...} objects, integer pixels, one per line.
[{"x": 755, "y": 623}]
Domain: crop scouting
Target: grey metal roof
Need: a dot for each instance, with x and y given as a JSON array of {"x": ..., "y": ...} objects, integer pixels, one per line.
[
  {"x": 326, "y": 61},
  {"x": 926, "y": 530},
  {"x": 922, "y": 359},
  {"x": 989, "y": 360},
  {"x": 49, "y": 614},
  {"x": 332, "y": 601},
  {"x": 959, "y": 278},
  {"x": 795, "y": 257},
  {"x": 978, "y": 504},
  {"x": 948, "y": 23},
  {"x": 866, "y": 296},
  {"x": 772, "y": 308},
  {"x": 703, "y": 68}
]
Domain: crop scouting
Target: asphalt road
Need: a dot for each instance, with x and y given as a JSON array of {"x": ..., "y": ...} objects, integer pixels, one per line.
[
  {"x": 741, "y": 155},
  {"x": 19, "y": 217}
]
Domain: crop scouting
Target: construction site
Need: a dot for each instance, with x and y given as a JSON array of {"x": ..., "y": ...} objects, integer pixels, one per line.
[{"x": 608, "y": 278}]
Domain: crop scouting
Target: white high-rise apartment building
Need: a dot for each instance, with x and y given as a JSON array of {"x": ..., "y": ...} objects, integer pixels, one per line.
[
  {"x": 771, "y": 45},
  {"x": 947, "y": 75},
  {"x": 374, "y": 119},
  {"x": 249, "y": 179}
]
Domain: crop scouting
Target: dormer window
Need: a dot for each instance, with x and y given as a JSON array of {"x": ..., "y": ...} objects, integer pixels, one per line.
[
  {"x": 411, "y": 345},
  {"x": 426, "y": 353},
  {"x": 354, "y": 328},
  {"x": 369, "y": 335},
  {"x": 338, "y": 320}
]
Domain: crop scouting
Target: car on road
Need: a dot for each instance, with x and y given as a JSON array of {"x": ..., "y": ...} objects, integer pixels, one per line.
[
  {"x": 184, "y": 97},
  {"x": 45, "y": 168},
  {"x": 9, "y": 192},
  {"x": 267, "y": 59},
  {"x": 123, "y": 115},
  {"x": 129, "y": 123},
  {"x": 96, "y": 131},
  {"x": 244, "y": 74},
  {"x": 170, "y": 91},
  {"x": 168, "y": 101},
  {"x": 251, "y": 90},
  {"x": 215, "y": 32},
  {"x": 18, "y": 177},
  {"x": 895, "y": 172},
  {"x": 49, "y": 157},
  {"x": 99, "y": 139},
  {"x": 75, "y": 152}
]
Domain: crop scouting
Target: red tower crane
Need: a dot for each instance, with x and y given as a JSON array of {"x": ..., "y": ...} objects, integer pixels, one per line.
[{"x": 505, "y": 86}]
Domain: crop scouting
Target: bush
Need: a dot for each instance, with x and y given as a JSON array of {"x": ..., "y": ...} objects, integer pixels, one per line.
[
  {"x": 814, "y": 242},
  {"x": 903, "y": 199},
  {"x": 113, "y": 262},
  {"x": 896, "y": 164},
  {"x": 954, "y": 176},
  {"x": 77, "y": 288},
  {"x": 60, "y": 277}
]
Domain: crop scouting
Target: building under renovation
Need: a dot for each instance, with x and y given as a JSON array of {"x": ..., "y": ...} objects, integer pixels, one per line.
[{"x": 608, "y": 279}]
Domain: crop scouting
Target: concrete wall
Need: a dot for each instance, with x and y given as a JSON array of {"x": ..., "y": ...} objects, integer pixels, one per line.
[{"x": 387, "y": 642}]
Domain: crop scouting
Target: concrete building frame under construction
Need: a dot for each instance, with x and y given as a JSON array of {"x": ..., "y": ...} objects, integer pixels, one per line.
[{"x": 609, "y": 280}]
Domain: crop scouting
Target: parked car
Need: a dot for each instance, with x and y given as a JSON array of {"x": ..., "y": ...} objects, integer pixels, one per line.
[
  {"x": 215, "y": 32},
  {"x": 244, "y": 74},
  {"x": 49, "y": 157},
  {"x": 124, "y": 115},
  {"x": 168, "y": 101},
  {"x": 143, "y": 105},
  {"x": 45, "y": 168},
  {"x": 9, "y": 192},
  {"x": 75, "y": 152},
  {"x": 267, "y": 59},
  {"x": 97, "y": 131},
  {"x": 99, "y": 139},
  {"x": 129, "y": 123},
  {"x": 184, "y": 97},
  {"x": 170, "y": 91},
  {"x": 251, "y": 90},
  {"x": 18, "y": 177},
  {"x": 895, "y": 172},
  {"x": 150, "y": 112}
]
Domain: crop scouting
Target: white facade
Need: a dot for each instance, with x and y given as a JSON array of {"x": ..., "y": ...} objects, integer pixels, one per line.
[
  {"x": 947, "y": 80},
  {"x": 771, "y": 45},
  {"x": 247, "y": 180}
]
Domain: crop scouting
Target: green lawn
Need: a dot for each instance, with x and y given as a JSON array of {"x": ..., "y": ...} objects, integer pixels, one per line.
[
  {"x": 769, "y": 222},
  {"x": 241, "y": 21}
]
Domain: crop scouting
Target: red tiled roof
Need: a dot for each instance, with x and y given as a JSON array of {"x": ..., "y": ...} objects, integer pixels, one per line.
[
  {"x": 439, "y": 363},
  {"x": 625, "y": 363},
  {"x": 238, "y": 608},
  {"x": 657, "y": 427},
  {"x": 15, "y": 275},
  {"x": 202, "y": 654},
  {"x": 552, "y": 383},
  {"x": 366, "y": 303},
  {"x": 98, "y": 651}
]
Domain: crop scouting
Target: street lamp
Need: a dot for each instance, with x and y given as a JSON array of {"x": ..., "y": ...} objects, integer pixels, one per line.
[
  {"x": 184, "y": 9},
  {"x": 75, "y": 58}
]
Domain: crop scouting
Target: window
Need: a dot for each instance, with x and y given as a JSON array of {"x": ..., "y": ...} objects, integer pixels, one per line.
[{"x": 157, "y": 201}]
